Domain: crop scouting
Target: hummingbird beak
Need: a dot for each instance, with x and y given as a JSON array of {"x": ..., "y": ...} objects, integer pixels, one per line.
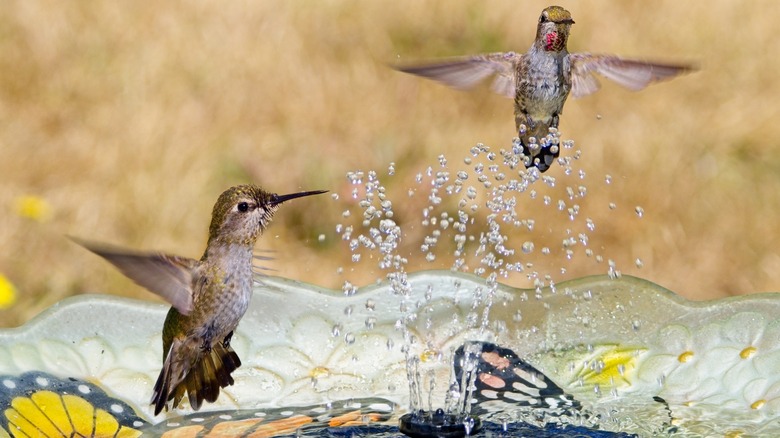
[{"x": 278, "y": 199}]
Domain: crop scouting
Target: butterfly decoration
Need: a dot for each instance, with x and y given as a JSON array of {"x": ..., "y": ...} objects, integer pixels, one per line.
[
  {"x": 37, "y": 404},
  {"x": 513, "y": 393},
  {"x": 317, "y": 420},
  {"x": 505, "y": 383}
]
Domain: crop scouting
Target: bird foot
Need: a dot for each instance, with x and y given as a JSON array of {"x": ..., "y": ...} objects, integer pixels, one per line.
[{"x": 226, "y": 341}]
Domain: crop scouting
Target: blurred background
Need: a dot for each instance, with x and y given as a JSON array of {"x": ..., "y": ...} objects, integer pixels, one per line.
[{"x": 122, "y": 122}]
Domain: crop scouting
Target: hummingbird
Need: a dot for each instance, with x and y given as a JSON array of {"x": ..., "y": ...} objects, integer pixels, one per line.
[
  {"x": 208, "y": 296},
  {"x": 541, "y": 80}
]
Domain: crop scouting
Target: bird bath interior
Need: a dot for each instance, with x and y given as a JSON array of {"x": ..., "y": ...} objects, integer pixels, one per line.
[
  {"x": 608, "y": 353},
  {"x": 611, "y": 344}
]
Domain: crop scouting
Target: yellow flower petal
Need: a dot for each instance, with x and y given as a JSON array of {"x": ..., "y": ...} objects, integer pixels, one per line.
[
  {"x": 7, "y": 293},
  {"x": 33, "y": 207},
  {"x": 617, "y": 366}
]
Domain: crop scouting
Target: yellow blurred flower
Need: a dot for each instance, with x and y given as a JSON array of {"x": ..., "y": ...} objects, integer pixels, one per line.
[
  {"x": 7, "y": 293},
  {"x": 33, "y": 207}
]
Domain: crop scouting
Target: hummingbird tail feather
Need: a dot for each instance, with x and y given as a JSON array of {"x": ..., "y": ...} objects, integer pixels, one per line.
[
  {"x": 210, "y": 390},
  {"x": 174, "y": 374},
  {"x": 210, "y": 372},
  {"x": 160, "y": 394},
  {"x": 162, "y": 389},
  {"x": 225, "y": 362},
  {"x": 540, "y": 153}
]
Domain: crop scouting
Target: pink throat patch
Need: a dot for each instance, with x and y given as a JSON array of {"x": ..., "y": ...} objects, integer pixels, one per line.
[{"x": 551, "y": 40}]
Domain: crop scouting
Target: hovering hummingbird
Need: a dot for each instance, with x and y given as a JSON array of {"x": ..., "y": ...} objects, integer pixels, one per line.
[
  {"x": 540, "y": 80},
  {"x": 209, "y": 296}
]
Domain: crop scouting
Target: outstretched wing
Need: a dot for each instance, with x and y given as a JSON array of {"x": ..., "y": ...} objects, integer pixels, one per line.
[
  {"x": 165, "y": 275},
  {"x": 632, "y": 74},
  {"x": 464, "y": 73}
]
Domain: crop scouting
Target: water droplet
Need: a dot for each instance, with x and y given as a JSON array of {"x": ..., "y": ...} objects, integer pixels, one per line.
[
  {"x": 587, "y": 295},
  {"x": 613, "y": 272},
  {"x": 349, "y": 289},
  {"x": 639, "y": 211}
]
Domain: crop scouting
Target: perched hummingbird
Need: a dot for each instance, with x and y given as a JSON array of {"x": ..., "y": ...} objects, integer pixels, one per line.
[
  {"x": 209, "y": 296},
  {"x": 540, "y": 80}
]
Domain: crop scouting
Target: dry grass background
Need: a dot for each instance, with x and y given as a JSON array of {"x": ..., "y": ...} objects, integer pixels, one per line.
[{"x": 129, "y": 119}]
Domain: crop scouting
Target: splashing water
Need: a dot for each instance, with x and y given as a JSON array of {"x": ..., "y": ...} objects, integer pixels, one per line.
[{"x": 491, "y": 216}]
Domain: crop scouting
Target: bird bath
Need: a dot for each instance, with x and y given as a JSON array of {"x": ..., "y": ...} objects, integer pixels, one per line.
[{"x": 635, "y": 357}]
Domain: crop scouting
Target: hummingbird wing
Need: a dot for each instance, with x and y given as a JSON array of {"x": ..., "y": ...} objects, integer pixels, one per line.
[
  {"x": 258, "y": 269},
  {"x": 464, "y": 73},
  {"x": 632, "y": 74},
  {"x": 165, "y": 275}
]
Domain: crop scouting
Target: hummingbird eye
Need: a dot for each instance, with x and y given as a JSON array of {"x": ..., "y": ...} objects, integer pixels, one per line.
[
  {"x": 243, "y": 207},
  {"x": 543, "y": 18}
]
